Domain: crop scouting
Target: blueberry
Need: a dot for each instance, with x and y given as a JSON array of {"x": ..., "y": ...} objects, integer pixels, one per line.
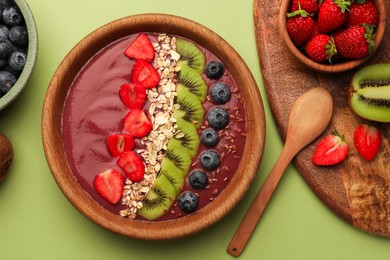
[
  {"x": 12, "y": 16},
  {"x": 209, "y": 137},
  {"x": 220, "y": 93},
  {"x": 198, "y": 179},
  {"x": 4, "y": 31},
  {"x": 218, "y": 118},
  {"x": 3, "y": 63},
  {"x": 214, "y": 69},
  {"x": 7, "y": 80},
  {"x": 17, "y": 60},
  {"x": 18, "y": 35},
  {"x": 5, "y": 48},
  {"x": 4, "y": 4},
  {"x": 188, "y": 201},
  {"x": 210, "y": 159}
]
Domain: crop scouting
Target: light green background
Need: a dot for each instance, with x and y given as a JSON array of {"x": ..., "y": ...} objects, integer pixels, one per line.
[{"x": 37, "y": 221}]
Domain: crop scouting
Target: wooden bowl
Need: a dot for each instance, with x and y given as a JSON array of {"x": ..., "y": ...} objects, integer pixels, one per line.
[
  {"x": 339, "y": 66},
  {"x": 52, "y": 128}
]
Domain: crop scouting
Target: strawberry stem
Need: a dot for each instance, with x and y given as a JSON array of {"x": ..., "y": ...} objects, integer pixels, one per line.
[
  {"x": 369, "y": 35},
  {"x": 330, "y": 50},
  {"x": 300, "y": 12},
  {"x": 344, "y": 5}
]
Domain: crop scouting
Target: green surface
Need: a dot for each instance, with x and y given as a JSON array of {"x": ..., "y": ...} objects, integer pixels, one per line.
[{"x": 37, "y": 221}]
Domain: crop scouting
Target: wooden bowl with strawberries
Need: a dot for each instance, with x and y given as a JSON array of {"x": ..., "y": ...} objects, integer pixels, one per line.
[{"x": 333, "y": 36}]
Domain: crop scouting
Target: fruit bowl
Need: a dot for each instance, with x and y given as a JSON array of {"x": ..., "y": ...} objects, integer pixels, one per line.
[
  {"x": 32, "y": 52},
  {"x": 338, "y": 65},
  {"x": 53, "y": 114}
]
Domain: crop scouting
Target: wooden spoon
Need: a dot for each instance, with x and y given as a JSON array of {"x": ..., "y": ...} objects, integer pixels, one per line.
[{"x": 309, "y": 117}]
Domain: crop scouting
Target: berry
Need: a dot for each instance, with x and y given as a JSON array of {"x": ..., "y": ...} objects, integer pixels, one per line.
[
  {"x": 4, "y": 4},
  {"x": 133, "y": 95},
  {"x": 310, "y": 6},
  {"x": 300, "y": 26},
  {"x": 7, "y": 80},
  {"x": 137, "y": 123},
  {"x": 12, "y": 16},
  {"x": 220, "y": 93},
  {"x": 141, "y": 48},
  {"x": 17, "y": 60},
  {"x": 331, "y": 150},
  {"x": 332, "y": 14},
  {"x": 363, "y": 13},
  {"x": 18, "y": 35},
  {"x": 355, "y": 41},
  {"x": 6, "y": 48},
  {"x": 210, "y": 159},
  {"x": 132, "y": 166},
  {"x": 214, "y": 69},
  {"x": 4, "y": 31},
  {"x": 198, "y": 179},
  {"x": 119, "y": 143},
  {"x": 218, "y": 118},
  {"x": 109, "y": 184},
  {"x": 367, "y": 140},
  {"x": 188, "y": 201},
  {"x": 209, "y": 137},
  {"x": 321, "y": 48},
  {"x": 145, "y": 74}
]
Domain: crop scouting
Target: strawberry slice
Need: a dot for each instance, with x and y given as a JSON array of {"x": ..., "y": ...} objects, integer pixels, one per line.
[
  {"x": 145, "y": 74},
  {"x": 119, "y": 143},
  {"x": 133, "y": 95},
  {"x": 367, "y": 140},
  {"x": 109, "y": 184},
  {"x": 137, "y": 123},
  {"x": 132, "y": 166},
  {"x": 331, "y": 150},
  {"x": 141, "y": 48}
]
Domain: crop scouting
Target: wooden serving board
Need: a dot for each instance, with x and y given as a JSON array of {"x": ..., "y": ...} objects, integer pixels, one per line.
[{"x": 356, "y": 190}]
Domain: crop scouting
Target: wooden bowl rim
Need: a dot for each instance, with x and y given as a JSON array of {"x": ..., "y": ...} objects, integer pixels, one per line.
[
  {"x": 52, "y": 118},
  {"x": 329, "y": 68}
]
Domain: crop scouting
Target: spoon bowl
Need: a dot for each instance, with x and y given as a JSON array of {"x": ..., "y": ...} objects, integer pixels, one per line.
[{"x": 309, "y": 117}]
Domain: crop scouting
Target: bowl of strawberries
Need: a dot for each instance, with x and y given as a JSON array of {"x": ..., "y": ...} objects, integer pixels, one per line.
[{"x": 332, "y": 35}]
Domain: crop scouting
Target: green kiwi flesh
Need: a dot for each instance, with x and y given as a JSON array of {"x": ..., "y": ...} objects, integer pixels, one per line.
[
  {"x": 191, "y": 108},
  {"x": 188, "y": 136},
  {"x": 178, "y": 155},
  {"x": 193, "y": 81},
  {"x": 190, "y": 55},
  {"x": 175, "y": 175},
  {"x": 370, "y": 92},
  {"x": 159, "y": 199}
]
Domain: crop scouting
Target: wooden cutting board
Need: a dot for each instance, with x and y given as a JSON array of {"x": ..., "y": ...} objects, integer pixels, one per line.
[{"x": 358, "y": 191}]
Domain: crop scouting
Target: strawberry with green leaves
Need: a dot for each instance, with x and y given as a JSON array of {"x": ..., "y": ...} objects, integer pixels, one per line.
[
  {"x": 355, "y": 42},
  {"x": 363, "y": 12},
  {"x": 300, "y": 26},
  {"x": 331, "y": 150},
  {"x": 333, "y": 14},
  {"x": 321, "y": 48},
  {"x": 310, "y": 6},
  {"x": 367, "y": 141}
]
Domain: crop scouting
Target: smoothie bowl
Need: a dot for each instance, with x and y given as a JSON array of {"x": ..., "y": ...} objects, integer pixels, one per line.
[{"x": 153, "y": 127}]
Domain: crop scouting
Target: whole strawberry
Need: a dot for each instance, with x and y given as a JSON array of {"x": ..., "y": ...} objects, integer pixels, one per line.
[
  {"x": 331, "y": 150},
  {"x": 363, "y": 12},
  {"x": 310, "y": 6},
  {"x": 321, "y": 48},
  {"x": 299, "y": 26},
  {"x": 332, "y": 15},
  {"x": 355, "y": 41}
]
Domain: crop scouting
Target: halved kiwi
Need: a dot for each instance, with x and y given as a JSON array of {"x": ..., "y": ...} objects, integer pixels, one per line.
[
  {"x": 190, "y": 109},
  {"x": 159, "y": 199},
  {"x": 192, "y": 80},
  {"x": 188, "y": 136},
  {"x": 370, "y": 92},
  {"x": 190, "y": 55}
]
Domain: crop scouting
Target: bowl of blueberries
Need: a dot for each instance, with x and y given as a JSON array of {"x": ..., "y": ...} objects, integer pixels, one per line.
[{"x": 18, "y": 48}]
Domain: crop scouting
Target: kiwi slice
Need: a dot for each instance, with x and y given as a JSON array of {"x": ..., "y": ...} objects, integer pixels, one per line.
[
  {"x": 159, "y": 199},
  {"x": 178, "y": 155},
  {"x": 193, "y": 81},
  {"x": 191, "y": 108},
  {"x": 175, "y": 175},
  {"x": 190, "y": 55},
  {"x": 370, "y": 92},
  {"x": 188, "y": 136}
]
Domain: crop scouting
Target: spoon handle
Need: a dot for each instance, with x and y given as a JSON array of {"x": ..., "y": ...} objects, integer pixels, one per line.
[{"x": 252, "y": 216}]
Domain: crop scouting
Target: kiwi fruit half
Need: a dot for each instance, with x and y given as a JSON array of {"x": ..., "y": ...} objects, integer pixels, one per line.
[
  {"x": 191, "y": 108},
  {"x": 190, "y": 55},
  {"x": 370, "y": 92},
  {"x": 159, "y": 199},
  {"x": 188, "y": 136},
  {"x": 193, "y": 81}
]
